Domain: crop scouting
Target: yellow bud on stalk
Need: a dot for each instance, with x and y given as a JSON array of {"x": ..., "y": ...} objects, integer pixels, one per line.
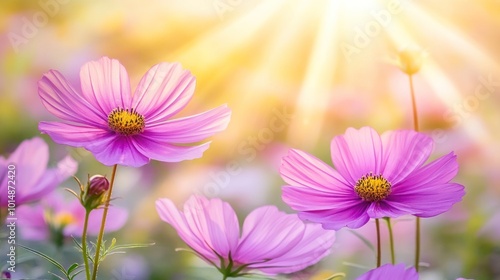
[{"x": 410, "y": 60}]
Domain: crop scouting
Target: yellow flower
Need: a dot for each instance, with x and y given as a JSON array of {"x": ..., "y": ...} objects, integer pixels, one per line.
[{"x": 410, "y": 60}]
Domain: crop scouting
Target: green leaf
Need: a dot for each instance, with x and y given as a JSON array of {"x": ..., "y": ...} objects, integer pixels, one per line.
[
  {"x": 72, "y": 267},
  {"x": 133, "y": 245},
  {"x": 76, "y": 273},
  {"x": 57, "y": 276},
  {"x": 78, "y": 245},
  {"x": 49, "y": 259}
]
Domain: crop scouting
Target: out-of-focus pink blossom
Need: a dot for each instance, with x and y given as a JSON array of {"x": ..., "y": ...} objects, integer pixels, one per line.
[
  {"x": 27, "y": 170},
  {"x": 64, "y": 216},
  {"x": 271, "y": 241}
]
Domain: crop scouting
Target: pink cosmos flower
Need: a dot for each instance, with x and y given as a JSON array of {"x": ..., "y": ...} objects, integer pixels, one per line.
[
  {"x": 390, "y": 271},
  {"x": 271, "y": 241},
  {"x": 375, "y": 176},
  {"x": 65, "y": 217},
  {"x": 121, "y": 128},
  {"x": 29, "y": 173}
]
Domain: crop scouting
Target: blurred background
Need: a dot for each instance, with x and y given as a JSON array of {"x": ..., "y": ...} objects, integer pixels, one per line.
[{"x": 295, "y": 74}]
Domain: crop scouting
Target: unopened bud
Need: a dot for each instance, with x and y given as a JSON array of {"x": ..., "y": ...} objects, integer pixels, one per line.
[
  {"x": 410, "y": 60},
  {"x": 98, "y": 185},
  {"x": 6, "y": 275},
  {"x": 95, "y": 192}
]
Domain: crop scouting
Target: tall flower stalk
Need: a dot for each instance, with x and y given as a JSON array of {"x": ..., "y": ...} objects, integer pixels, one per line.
[
  {"x": 410, "y": 62},
  {"x": 391, "y": 239},
  {"x": 103, "y": 223},
  {"x": 416, "y": 128},
  {"x": 379, "y": 249},
  {"x": 84, "y": 245}
]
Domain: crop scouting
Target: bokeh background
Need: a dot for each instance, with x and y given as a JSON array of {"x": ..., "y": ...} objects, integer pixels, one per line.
[{"x": 314, "y": 68}]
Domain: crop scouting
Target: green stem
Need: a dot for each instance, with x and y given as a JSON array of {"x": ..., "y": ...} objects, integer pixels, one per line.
[
  {"x": 417, "y": 244},
  {"x": 84, "y": 245},
  {"x": 379, "y": 250},
  {"x": 391, "y": 240},
  {"x": 417, "y": 222},
  {"x": 103, "y": 223}
]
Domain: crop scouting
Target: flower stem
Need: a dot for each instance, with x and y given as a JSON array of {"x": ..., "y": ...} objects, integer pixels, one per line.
[
  {"x": 379, "y": 251},
  {"x": 391, "y": 239},
  {"x": 417, "y": 243},
  {"x": 3, "y": 215},
  {"x": 413, "y": 104},
  {"x": 84, "y": 245},
  {"x": 417, "y": 221},
  {"x": 103, "y": 223}
]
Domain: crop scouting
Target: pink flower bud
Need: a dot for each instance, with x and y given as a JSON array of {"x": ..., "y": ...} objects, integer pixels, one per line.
[
  {"x": 97, "y": 185},
  {"x": 93, "y": 196}
]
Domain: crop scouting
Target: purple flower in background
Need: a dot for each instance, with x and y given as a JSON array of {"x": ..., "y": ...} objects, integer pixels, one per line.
[
  {"x": 390, "y": 271},
  {"x": 32, "y": 179},
  {"x": 64, "y": 217},
  {"x": 121, "y": 128},
  {"x": 271, "y": 241},
  {"x": 375, "y": 176}
]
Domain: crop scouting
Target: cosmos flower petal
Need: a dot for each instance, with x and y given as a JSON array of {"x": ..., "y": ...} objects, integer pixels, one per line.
[
  {"x": 118, "y": 150},
  {"x": 74, "y": 135},
  {"x": 442, "y": 170},
  {"x": 31, "y": 222},
  {"x": 3, "y": 181},
  {"x": 390, "y": 271},
  {"x": 356, "y": 153},
  {"x": 215, "y": 221},
  {"x": 432, "y": 201},
  {"x": 166, "y": 152},
  {"x": 268, "y": 234},
  {"x": 210, "y": 227},
  {"x": 352, "y": 217},
  {"x": 64, "y": 102},
  {"x": 33, "y": 155},
  {"x": 163, "y": 91},
  {"x": 427, "y": 191},
  {"x": 315, "y": 244},
  {"x": 191, "y": 129},
  {"x": 387, "y": 208},
  {"x": 404, "y": 152},
  {"x": 308, "y": 199},
  {"x": 52, "y": 178},
  {"x": 302, "y": 169},
  {"x": 171, "y": 215},
  {"x": 105, "y": 84}
]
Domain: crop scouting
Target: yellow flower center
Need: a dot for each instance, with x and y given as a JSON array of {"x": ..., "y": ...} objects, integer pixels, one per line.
[
  {"x": 61, "y": 219},
  {"x": 126, "y": 122},
  {"x": 373, "y": 187}
]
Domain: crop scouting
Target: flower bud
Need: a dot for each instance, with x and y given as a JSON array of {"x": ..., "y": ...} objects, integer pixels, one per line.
[
  {"x": 95, "y": 192},
  {"x": 410, "y": 60},
  {"x": 6, "y": 275}
]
